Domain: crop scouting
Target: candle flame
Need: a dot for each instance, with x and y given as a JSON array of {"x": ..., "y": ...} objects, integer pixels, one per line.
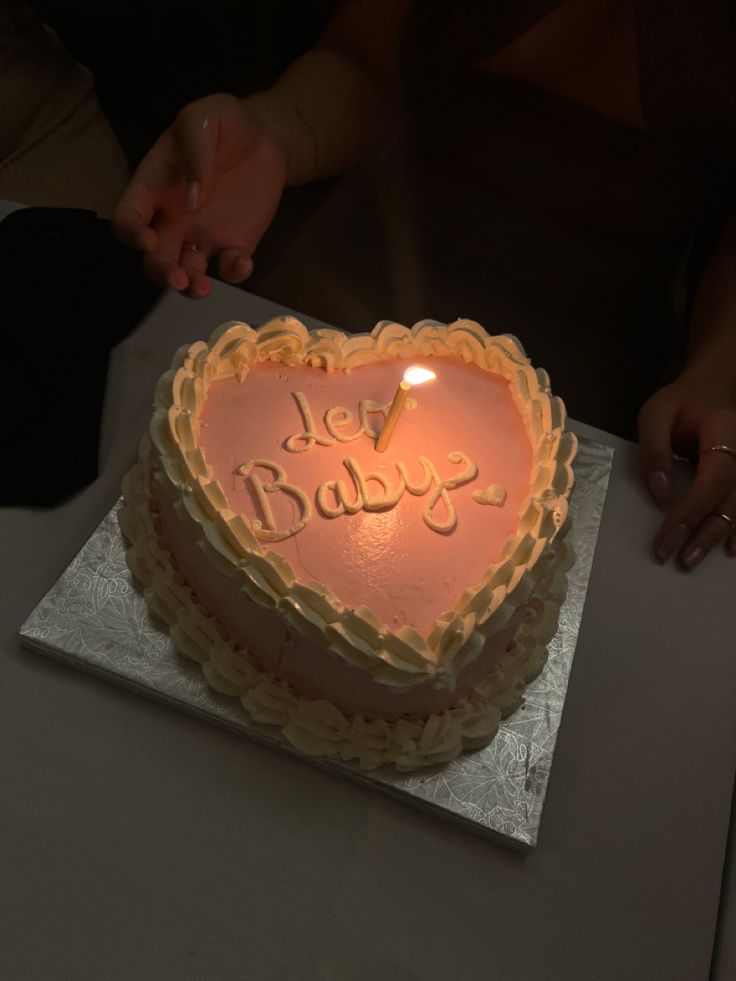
[{"x": 418, "y": 376}]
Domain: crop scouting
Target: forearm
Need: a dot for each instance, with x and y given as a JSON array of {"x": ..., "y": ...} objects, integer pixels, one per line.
[
  {"x": 712, "y": 348},
  {"x": 325, "y": 112},
  {"x": 339, "y": 100}
]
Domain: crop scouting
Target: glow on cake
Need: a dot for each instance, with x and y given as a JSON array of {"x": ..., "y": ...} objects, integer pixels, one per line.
[{"x": 383, "y": 608}]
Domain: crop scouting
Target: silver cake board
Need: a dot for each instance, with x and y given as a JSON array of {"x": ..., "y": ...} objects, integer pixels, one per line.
[{"x": 95, "y": 619}]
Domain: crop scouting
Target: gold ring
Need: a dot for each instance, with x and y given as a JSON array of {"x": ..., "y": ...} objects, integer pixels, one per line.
[
  {"x": 192, "y": 247},
  {"x": 729, "y": 521},
  {"x": 720, "y": 448}
]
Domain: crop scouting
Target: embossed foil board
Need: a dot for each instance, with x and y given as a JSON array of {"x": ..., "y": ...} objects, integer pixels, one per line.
[{"x": 95, "y": 619}]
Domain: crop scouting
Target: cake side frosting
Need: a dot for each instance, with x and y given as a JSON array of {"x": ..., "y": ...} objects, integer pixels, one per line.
[
  {"x": 401, "y": 658},
  {"x": 302, "y": 661},
  {"x": 314, "y": 725}
]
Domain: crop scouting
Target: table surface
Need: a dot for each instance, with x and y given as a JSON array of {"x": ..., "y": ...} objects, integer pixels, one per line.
[{"x": 140, "y": 843}]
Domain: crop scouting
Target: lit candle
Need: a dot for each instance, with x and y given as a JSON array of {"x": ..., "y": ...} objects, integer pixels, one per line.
[{"x": 412, "y": 376}]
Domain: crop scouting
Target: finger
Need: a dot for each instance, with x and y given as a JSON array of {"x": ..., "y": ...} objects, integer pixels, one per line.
[
  {"x": 656, "y": 421},
  {"x": 146, "y": 194},
  {"x": 715, "y": 478},
  {"x": 199, "y": 289},
  {"x": 195, "y": 135},
  {"x": 716, "y": 528},
  {"x": 235, "y": 265},
  {"x": 130, "y": 225},
  {"x": 193, "y": 260},
  {"x": 163, "y": 264}
]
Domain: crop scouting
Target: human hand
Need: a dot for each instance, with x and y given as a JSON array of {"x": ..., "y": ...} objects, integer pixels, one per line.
[
  {"x": 692, "y": 416},
  {"x": 209, "y": 186}
]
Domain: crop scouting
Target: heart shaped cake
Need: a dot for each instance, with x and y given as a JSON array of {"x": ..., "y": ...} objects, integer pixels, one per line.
[{"x": 372, "y": 564}]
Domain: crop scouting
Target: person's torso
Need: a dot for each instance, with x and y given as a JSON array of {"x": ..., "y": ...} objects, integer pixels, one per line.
[{"x": 585, "y": 51}]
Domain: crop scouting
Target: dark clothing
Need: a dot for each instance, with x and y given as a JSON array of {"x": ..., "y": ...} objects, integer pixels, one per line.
[
  {"x": 540, "y": 216},
  {"x": 74, "y": 293}
]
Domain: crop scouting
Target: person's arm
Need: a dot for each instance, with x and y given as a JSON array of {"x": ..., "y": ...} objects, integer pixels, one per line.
[
  {"x": 712, "y": 354},
  {"x": 211, "y": 184},
  {"x": 698, "y": 410},
  {"x": 339, "y": 100}
]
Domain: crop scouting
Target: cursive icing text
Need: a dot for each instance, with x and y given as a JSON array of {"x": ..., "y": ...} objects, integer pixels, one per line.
[
  {"x": 336, "y": 420},
  {"x": 362, "y": 491},
  {"x": 266, "y": 529}
]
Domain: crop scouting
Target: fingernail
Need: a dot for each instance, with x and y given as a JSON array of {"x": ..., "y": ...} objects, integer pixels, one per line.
[
  {"x": 243, "y": 268},
  {"x": 659, "y": 486},
  {"x": 691, "y": 557},
  {"x": 192, "y": 195},
  {"x": 672, "y": 542},
  {"x": 177, "y": 280}
]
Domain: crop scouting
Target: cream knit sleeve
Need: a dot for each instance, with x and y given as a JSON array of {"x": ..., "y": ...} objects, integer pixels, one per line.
[{"x": 56, "y": 147}]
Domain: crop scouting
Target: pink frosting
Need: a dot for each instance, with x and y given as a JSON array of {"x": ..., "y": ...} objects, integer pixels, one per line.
[
  {"x": 314, "y": 672},
  {"x": 389, "y": 561}
]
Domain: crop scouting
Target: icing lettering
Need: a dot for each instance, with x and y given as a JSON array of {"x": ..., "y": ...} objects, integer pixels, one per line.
[
  {"x": 300, "y": 442},
  {"x": 335, "y": 420},
  {"x": 372, "y": 491},
  {"x": 266, "y": 530},
  {"x": 338, "y": 417},
  {"x": 363, "y": 500},
  {"x": 441, "y": 488}
]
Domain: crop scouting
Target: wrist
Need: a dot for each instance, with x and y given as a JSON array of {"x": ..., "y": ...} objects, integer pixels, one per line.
[
  {"x": 326, "y": 112},
  {"x": 712, "y": 369},
  {"x": 287, "y": 126}
]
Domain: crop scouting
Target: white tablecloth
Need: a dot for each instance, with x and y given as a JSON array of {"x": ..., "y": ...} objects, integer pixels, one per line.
[{"x": 139, "y": 843}]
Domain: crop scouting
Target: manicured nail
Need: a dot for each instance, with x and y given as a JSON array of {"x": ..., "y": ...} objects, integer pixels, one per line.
[
  {"x": 192, "y": 195},
  {"x": 659, "y": 486},
  {"x": 691, "y": 557},
  {"x": 177, "y": 280},
  {"x": 244, "y": 268},
  {"x": 672, "y": 542}
]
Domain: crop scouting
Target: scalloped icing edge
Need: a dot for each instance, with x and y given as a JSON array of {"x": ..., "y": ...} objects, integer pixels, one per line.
[
  {"x": 399, "y": 659},
  {"x": 317, "y": 727}
]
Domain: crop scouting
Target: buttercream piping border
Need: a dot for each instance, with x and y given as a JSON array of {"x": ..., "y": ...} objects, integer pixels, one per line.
[
  {"x": 317, "y": 727},
  {"x": 401, "y": 658}
]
